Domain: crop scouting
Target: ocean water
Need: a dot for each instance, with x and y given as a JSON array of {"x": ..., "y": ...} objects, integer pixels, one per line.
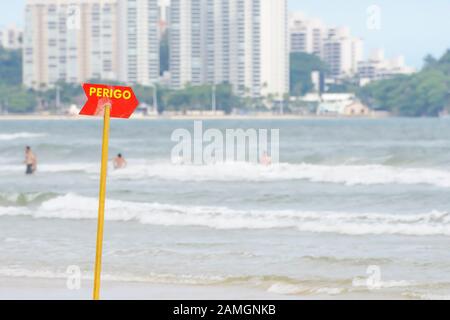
[{"x": 356, "y": 208}]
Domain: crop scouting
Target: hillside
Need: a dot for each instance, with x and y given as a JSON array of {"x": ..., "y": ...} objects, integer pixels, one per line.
[{"x": 426, "y": 93}]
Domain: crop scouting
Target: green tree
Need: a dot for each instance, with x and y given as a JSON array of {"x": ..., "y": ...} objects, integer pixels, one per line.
[
  {"x": 425, "y": 93},
  {"x": 16, "y": 99},
  {"x": 11, "y": 67},
  {"x": 302, "y": 65}
]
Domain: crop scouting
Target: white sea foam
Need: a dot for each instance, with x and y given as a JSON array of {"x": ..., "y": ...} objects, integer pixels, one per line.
[
  {"x": 18, "y": 272},
  {"x": 341, "y": 174},
  {"x": 72, "y": 206},
  {"x": 273, "y": 284},
  {"x": 88, "y": 168},
  {"x": 150, "y": 277},
  {"x": 286, "y": 289},
  {"x": 297, "y": 289},
  {"x": 14, "y": 211},
  {"x": 20, "y": 135},
  {"x": 363, "y": 283},
  {"x": 426, "y": 296}
]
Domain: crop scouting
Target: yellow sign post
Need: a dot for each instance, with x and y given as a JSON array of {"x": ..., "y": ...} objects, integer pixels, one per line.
[
  {"x": 101, "y": 203},
  {"x": 111, "y": 102}
]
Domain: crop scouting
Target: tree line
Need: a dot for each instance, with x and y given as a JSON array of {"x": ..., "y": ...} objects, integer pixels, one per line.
[
  {"x": 15, "y": 98},
  {"x": 426, "y": 93}
]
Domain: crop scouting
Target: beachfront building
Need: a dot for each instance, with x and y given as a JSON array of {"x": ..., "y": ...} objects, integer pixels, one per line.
[
  {"x": 241, "y": 42},
  {"x": 339, "y": 104},
  {"x": 73, "y": 41},
  {"x": 356, "y": 109},
  {"x": 377, "y": 67},
  {"x": 11, "y": 38}
]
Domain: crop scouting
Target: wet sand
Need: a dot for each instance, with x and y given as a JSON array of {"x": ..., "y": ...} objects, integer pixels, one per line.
[{"x": 56, "y": 289}]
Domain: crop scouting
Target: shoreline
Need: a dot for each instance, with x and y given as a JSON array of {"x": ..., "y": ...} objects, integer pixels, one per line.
[
  {"x": 24, "y": 288},
  {"x": 187, "y": 117}
]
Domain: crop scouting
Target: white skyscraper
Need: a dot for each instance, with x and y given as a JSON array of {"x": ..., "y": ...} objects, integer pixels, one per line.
[
  {"x": 75, "y": 41},
  {"x": 241, "y": 42},
  {"x": 164, "y": 11},
  {"x": 306, "y": 35},
  {"x": 342, "y": 52},
  {"x": 139, "y": 41},
  {"x": 69, "y": 41},
  {"x": 336, "y": 46},
  {"x": 182, "y": 38},
  {"x": 274, "y": 48}
]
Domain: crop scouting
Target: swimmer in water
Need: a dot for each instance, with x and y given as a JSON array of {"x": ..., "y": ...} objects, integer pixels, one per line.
[
  {"x": 30, "y": 161},
  {"x": 265, "y": 159},
  {"x": 119, "y": 162}
]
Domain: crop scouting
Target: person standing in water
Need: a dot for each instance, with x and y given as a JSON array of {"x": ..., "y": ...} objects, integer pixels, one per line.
[
  {"x": 265, "y": 159},
  {"x": 119, "y": 162},
  {"x": 30, "y": 161}
]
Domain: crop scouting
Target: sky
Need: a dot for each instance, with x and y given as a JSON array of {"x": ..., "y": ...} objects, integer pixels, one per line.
[{"x": 413, "y": 28}]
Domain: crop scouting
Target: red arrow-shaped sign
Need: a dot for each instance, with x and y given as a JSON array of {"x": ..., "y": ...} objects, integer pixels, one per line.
[{"x": 122, "y": 100}]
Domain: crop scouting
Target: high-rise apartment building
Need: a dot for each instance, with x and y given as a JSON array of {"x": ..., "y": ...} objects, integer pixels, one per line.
[
  {"x": 306, "y": 35},
  {"x": 138, "y": 41},
  {"x": 342, "y": 53},
  {"x": 335, "y": 46},
  {"x": 69, "y": 41},
  {"x": 377, "y": 67},
  {"x": 164, "y": 12},
  {"x": 182, "y": 55},
  {"x": 74, "y": 41},
  {"x": 274, "y": 38},
  {"x": 241, "y": 42}
]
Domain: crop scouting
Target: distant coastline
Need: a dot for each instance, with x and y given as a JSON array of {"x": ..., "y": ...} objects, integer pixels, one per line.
[
  {"x": 231, "y": 117},
  {"x": 262, "y": 116}
]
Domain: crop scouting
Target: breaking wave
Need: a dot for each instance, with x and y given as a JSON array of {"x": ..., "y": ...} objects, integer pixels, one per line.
[
  {"x": 349, "y": 175},
  {"x": 276, "y": 284},
  {"x": 73, "y": 206},
  {"x": 339, "y": 174},
  {"x": 20, "y": 135}
]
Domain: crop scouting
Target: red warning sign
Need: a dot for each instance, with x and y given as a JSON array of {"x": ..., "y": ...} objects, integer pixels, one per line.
[{"x": 122, "y": 100}]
